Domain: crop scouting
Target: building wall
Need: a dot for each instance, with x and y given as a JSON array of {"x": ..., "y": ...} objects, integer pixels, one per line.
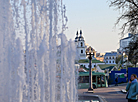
[
  {"x": 110, "y": 59},
  {"x": 81, "y": 49},
  {"x": 87, "y": 64},
  {"x": 100, "y": 58},
  {"x": 83, "y": 44},
  {"x": 81, "y": 52},
  {"x": 124, "y": 43}
]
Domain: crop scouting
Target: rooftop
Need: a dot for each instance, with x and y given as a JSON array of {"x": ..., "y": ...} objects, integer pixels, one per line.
[
  {"x": 107, "y": 66},
  {"x": 129, "y": 36},
  {"x": 111, "y": 54},
  {"x": 126, "y": 38},
  {"x": 87, "y": 61},
  {"x": 93, "y": 73}
]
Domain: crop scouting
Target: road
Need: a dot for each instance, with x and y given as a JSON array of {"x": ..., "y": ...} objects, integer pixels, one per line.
[{"x": 111, "y": 94}]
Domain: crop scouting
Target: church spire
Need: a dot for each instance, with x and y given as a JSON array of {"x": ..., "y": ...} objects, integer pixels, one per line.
[
  {"x": 76, "y": 39},
  {"x": 77, "y": 34},
  {"x": 80, "y": 32},
  {"x": 81, "y": 37}
]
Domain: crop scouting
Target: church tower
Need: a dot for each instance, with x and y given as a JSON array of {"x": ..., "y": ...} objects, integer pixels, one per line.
[
  {"x": 80, "y": 45},
  {"x": 76, "y": 39}
]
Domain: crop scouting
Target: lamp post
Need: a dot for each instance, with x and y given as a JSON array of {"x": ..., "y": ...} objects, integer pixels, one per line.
[{"x": 89, "y": 53}]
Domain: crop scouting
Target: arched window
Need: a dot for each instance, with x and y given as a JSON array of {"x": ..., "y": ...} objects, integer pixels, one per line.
[
  {"x": 106, "y": 61},
  {"x": 81, "y": 44},
  {"x": 109, "y": 61},
  {"x": 81, "y": 51},
  {"x": 109, "y": 57},
  {"x": 113, "y": 61}
]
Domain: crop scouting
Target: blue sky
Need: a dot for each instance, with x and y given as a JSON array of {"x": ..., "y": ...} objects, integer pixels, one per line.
[{"x": 96, "y": 20}]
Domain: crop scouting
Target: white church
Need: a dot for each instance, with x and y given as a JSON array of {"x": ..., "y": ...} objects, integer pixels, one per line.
[
  {"x": 80, "y": 50},
  {"x": 80, "y": 45}
]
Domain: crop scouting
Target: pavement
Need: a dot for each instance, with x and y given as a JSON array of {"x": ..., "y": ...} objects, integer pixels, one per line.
[{"x": 110, "y": 94}]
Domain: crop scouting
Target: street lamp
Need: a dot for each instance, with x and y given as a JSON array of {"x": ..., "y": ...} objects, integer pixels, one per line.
[{"x": 89, "y": 53}]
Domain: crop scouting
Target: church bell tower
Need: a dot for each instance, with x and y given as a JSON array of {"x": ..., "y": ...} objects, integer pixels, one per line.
[{"x": 80, "y": 45}]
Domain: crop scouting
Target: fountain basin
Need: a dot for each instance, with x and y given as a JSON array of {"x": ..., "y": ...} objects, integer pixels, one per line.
[{"x": 90, "y": 98}]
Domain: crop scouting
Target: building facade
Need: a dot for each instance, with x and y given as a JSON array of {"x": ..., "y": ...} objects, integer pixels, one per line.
[
  {"x": 110, "y": 57},
  {"x": 80, "y": 46},
  {"x": 100, "y": 56},
  {"x": 85, "y": 63},
  {"x": 125, "y": 42}
]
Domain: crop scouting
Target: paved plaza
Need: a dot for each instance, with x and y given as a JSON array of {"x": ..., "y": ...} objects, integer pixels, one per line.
[{"x": 111, "y": 94}]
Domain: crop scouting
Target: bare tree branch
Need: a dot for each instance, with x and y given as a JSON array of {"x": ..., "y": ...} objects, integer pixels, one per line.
[{"x": 129, "y": 14}]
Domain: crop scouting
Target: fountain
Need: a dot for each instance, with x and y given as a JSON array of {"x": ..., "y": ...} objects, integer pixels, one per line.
[{"x": 36, "y": 63}]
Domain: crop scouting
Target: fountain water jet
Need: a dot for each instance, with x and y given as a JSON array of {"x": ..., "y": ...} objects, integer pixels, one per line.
[{"x": 43, "y": 70}]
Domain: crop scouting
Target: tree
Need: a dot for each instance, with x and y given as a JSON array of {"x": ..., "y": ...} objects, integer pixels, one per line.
[
  {"x": 129, "y": 10},
  {"x": 119, "y": 61},
  {"x": 132, "y": 51}
]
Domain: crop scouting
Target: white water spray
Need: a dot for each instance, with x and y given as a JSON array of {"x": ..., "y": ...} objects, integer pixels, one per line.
[{"x": 37, "y": 68}]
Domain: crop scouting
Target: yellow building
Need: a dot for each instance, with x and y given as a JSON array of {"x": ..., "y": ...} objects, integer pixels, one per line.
[{"x": 100, "y": 56}]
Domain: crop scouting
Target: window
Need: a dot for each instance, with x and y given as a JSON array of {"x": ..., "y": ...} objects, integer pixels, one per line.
[
  {"x": 81, "y": 44},
  {"x": 113, "y": 61},
  {"x": 113, "y": 57},
  {"x": 94, "y": 65},
  {"x": 81, "y": 51},
  {"x": 93, "y": 78},
  {"x": 109, "y": 57},
  {"x": 84, "y": 79},
  {"x": 106, "y": 61},
  {"x": 106, "y": 57},
  {"x": 109, "y": 61},
  {"x": 81, "y": 65},
  {"x": 103, "y": 79},
  {"x": 98, "y": 79}
]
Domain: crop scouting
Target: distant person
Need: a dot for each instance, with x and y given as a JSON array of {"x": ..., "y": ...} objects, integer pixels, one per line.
[
  {"x": 132, "y": 88},
  {"x": 116, "y": 81}
]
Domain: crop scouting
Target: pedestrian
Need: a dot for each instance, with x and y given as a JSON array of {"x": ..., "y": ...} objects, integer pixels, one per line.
[
  {"x": 132, "y": 89},
  {"x": 116, "y": 81}
]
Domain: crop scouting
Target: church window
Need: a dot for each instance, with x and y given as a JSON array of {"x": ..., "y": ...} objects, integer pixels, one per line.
[
  {"x": 81, "y": 51},
  {"x": 81, "y": 44}
]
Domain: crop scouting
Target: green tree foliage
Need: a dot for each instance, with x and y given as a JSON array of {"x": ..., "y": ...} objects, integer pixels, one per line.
[
  {"x": 133, "y": 51},
  {"x": 118, "y": 59},
  {"x": 129, "y": 14}
]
